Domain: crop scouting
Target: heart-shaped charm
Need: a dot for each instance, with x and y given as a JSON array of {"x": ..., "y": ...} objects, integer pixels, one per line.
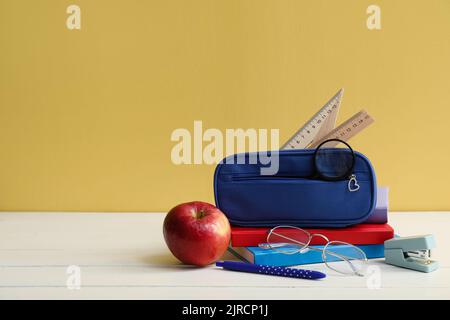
[{"x": 353, "y": 184}]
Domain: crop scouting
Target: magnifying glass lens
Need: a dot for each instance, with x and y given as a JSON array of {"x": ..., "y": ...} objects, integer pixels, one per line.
[{"x": 334, "y": 160}]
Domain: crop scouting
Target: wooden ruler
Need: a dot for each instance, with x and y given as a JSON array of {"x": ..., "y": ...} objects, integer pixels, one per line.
[
  {"x": 318, "y": 126},
  {"x": 346, "y": 130}
]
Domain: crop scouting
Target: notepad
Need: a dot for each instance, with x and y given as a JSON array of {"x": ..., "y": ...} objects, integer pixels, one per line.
[
  {"x": 360, "y": 234},
  {"x": 274, "y": 258}
]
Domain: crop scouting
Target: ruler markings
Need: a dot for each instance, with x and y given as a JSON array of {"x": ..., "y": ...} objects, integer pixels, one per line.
[
  {"x": 322, "y": 126},
  {"x": 306, "y": 134},
  {"x": 348, "y": 129}
]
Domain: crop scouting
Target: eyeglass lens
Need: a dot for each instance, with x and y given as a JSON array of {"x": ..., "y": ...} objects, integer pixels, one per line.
[
  {"x": 344, "y": 258},
  {"x": 288, "y": 239}
]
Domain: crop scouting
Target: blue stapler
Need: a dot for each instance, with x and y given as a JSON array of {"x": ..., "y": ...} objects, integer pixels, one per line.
[{"x": 411, "y": 252}]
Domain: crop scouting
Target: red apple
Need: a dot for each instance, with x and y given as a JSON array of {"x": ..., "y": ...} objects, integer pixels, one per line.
[{"x": 197, "y": 233}]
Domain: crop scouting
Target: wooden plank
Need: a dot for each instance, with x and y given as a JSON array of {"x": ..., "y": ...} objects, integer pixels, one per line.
[
  {"x": 182, "y": 276},
  {"x": 229, "y": 293}
]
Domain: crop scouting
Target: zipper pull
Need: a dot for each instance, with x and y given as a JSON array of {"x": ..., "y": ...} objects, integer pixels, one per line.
[{"x": 353, "y": 184}]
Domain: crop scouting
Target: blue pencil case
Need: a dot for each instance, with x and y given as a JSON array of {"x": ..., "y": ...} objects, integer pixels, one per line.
[{"x": 287, "y": 198}]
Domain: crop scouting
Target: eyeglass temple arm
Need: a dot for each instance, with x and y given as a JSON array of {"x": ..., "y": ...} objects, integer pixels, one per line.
[
  {"x": 290, "y": 239},
  {"x": 276, "y": 245}
]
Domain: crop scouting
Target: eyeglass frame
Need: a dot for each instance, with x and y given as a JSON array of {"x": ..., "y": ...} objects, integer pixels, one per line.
[{"x": 267, "y": 245}]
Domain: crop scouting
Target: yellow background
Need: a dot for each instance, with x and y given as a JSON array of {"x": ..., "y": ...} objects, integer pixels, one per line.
[{"x": 86, "y": 115}]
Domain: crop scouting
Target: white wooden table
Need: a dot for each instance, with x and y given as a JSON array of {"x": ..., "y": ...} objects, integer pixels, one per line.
[{"x": 123, "y": 256}]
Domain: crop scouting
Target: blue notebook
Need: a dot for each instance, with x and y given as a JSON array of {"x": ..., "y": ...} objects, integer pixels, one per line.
[{"x": 273, "y": 258}]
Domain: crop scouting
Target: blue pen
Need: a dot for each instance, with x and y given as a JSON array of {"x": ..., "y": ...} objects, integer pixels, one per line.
[{"x": 269, "y": 270}]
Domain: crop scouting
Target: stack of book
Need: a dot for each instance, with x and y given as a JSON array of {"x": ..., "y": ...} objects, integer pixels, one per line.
[{"x": 368, "y": 236}]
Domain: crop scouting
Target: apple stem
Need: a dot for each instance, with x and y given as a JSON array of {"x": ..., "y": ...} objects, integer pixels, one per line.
[{"x": 200, "y": 214}]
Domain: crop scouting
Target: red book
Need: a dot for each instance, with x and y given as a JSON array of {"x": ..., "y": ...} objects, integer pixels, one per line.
[{"x": 357, "y": 234}]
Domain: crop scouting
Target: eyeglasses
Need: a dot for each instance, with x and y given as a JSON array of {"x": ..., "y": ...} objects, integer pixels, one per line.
[{"x": 339, "y": 256}]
